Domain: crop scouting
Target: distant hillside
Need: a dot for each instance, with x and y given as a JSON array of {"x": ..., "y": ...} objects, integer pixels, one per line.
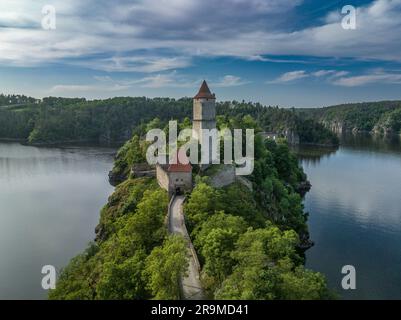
[
  {"x": 57, "y": 120},
  {"x": 379, "y": 117},
  {"x": 12, "y": 99}
]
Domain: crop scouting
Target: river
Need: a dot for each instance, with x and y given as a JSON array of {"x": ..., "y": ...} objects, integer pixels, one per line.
[
  {"x": 355, "y": 214},
  {"x": 50, "y": 200}
]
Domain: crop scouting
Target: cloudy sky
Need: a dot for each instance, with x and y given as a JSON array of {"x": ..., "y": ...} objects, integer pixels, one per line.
[{"x": 278, "y": 52}]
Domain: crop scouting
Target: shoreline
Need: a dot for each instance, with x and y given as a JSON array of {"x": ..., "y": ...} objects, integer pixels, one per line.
[{"x": 72, "y": 143}]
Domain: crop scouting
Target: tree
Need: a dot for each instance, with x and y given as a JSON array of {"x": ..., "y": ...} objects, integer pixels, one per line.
[
  {"x": 221, "y": 220},
  {"x": 216, "y": 250},
  {"x": 165, "y": 266},
  {"x": 201, "y": 204},
  {"x": 77, "y": 280},
  {"x": 146, "y": 227},
  {"x": 266, "y": 269},
  {"x": 301, "y": 284},
  {"x": 123, "y": 281}
]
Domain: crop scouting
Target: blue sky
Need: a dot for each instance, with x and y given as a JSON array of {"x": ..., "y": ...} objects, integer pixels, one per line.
[{"x": 291, "y": 53}]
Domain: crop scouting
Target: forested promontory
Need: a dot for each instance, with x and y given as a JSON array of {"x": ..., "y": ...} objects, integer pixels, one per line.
[{"x": 249, "y": 239}]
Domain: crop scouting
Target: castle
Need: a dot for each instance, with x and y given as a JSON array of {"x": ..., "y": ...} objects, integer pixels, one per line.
[{"x": 177, "y": 178}]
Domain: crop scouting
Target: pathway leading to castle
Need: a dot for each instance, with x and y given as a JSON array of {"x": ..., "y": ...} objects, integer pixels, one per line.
[{"x": 191, "y": 285}]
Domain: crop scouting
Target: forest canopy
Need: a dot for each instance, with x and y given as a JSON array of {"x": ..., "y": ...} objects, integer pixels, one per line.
[{"x": 55, "y": 120}]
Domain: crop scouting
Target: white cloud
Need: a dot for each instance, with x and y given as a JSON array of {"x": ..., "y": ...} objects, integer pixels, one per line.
[
  {"x": 361, "y": 80},
  {"x": 230, "y": 81},
  {"x": 329, "y": 73},
  {"x": 322, "y": 73},
  {"x": 137, "y": 63},
  {"x": 74, "y": 88},
  {"x": 158, "y": 81},
  {"x": 300, "y": 74},
  {"x": 291, "y": 76},
  {"x": 171, "y": 79},
  {"x": 124, "y": 33}
]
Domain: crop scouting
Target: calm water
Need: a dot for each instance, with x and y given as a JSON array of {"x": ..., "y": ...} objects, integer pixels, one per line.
[
  {"x": 49, "y": 206},
  {"x": 50, "y": 201},
  {"x": 355, "y": 214}
]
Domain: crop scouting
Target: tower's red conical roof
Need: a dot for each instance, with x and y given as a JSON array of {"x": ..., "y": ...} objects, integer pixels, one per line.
[{"x": 204, "y": 92}]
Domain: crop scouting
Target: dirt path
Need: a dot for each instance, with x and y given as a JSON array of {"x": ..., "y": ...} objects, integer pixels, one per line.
[{"x": 190, "y": 285}]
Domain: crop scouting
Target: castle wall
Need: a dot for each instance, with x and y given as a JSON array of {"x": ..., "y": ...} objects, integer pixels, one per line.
[
  {"x": 170, "y": 181},
  {"x": 182, "y": 180},
  {"x": 162, "y": 178}
]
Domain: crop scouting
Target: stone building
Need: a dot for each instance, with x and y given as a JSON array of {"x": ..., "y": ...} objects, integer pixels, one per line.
[
  {"x": 204, "y": 111},
  {"x": 204, "y": 117},
  {"x": 175, "y": 178}
]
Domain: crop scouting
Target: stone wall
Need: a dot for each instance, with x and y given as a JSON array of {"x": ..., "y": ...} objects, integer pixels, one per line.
[
  {"x": 162, "y": 178},
  {"x": 181, "y": 180},
  {"x": 224, "y": 177},
  {"x": 204, "y": 109},
  {"x": 170, "y": 181}
]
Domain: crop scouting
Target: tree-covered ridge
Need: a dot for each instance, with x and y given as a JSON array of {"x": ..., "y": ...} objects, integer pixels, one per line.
[
  {"x": 381, "y": 117},
  {"x": 248, "y": 241},
  {"x": 279, "y": 120},
  {"x": 115, "y": 120},
  {"x": 135, "y": 258},
  {"x": 15, "y": 99}
]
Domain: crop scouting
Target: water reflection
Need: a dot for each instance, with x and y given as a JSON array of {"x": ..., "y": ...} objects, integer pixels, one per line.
[
  {"x": 374, "y": 143},
  {"x": 49, "y": 206},
  {"x": 355, "y": 215},
  {"x": 313, "y": 154}
]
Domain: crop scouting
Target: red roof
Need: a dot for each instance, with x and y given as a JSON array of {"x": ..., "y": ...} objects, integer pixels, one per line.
[
  {"x": 180, "y": 167},
  {"x": 204, "y": 92}
]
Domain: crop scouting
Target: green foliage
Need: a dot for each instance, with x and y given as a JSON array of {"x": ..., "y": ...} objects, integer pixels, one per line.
[
  {"x": 123, "y": 201},
  {"x": 12, "y": 99},
  {"x": 277, "y": 177},
  {"x": 164, "y": 267},
  {"x": 77, "y": 280},
  {"x": 116, "y": 120},
  {"x": 216, "y": 250},
  {"x": 123, "y": 281},
  {"x": 220, "y": 220},
  {"x": 265, "y": 269},
  {"x": 201, "y": 204},
  {"x": 145, "y": 228},
  {"x": 390, "y": 122},
  {"x": 133, "y": 151},
  {"x": 273, "y": 119},
  {"x": 114, "y": 267},
  {"x": 247, "y": 240},
  {"x": 365, "y": 116}
]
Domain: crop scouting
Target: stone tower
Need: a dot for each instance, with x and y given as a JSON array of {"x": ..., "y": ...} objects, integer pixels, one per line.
[{"x": 204, "y": 112}]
